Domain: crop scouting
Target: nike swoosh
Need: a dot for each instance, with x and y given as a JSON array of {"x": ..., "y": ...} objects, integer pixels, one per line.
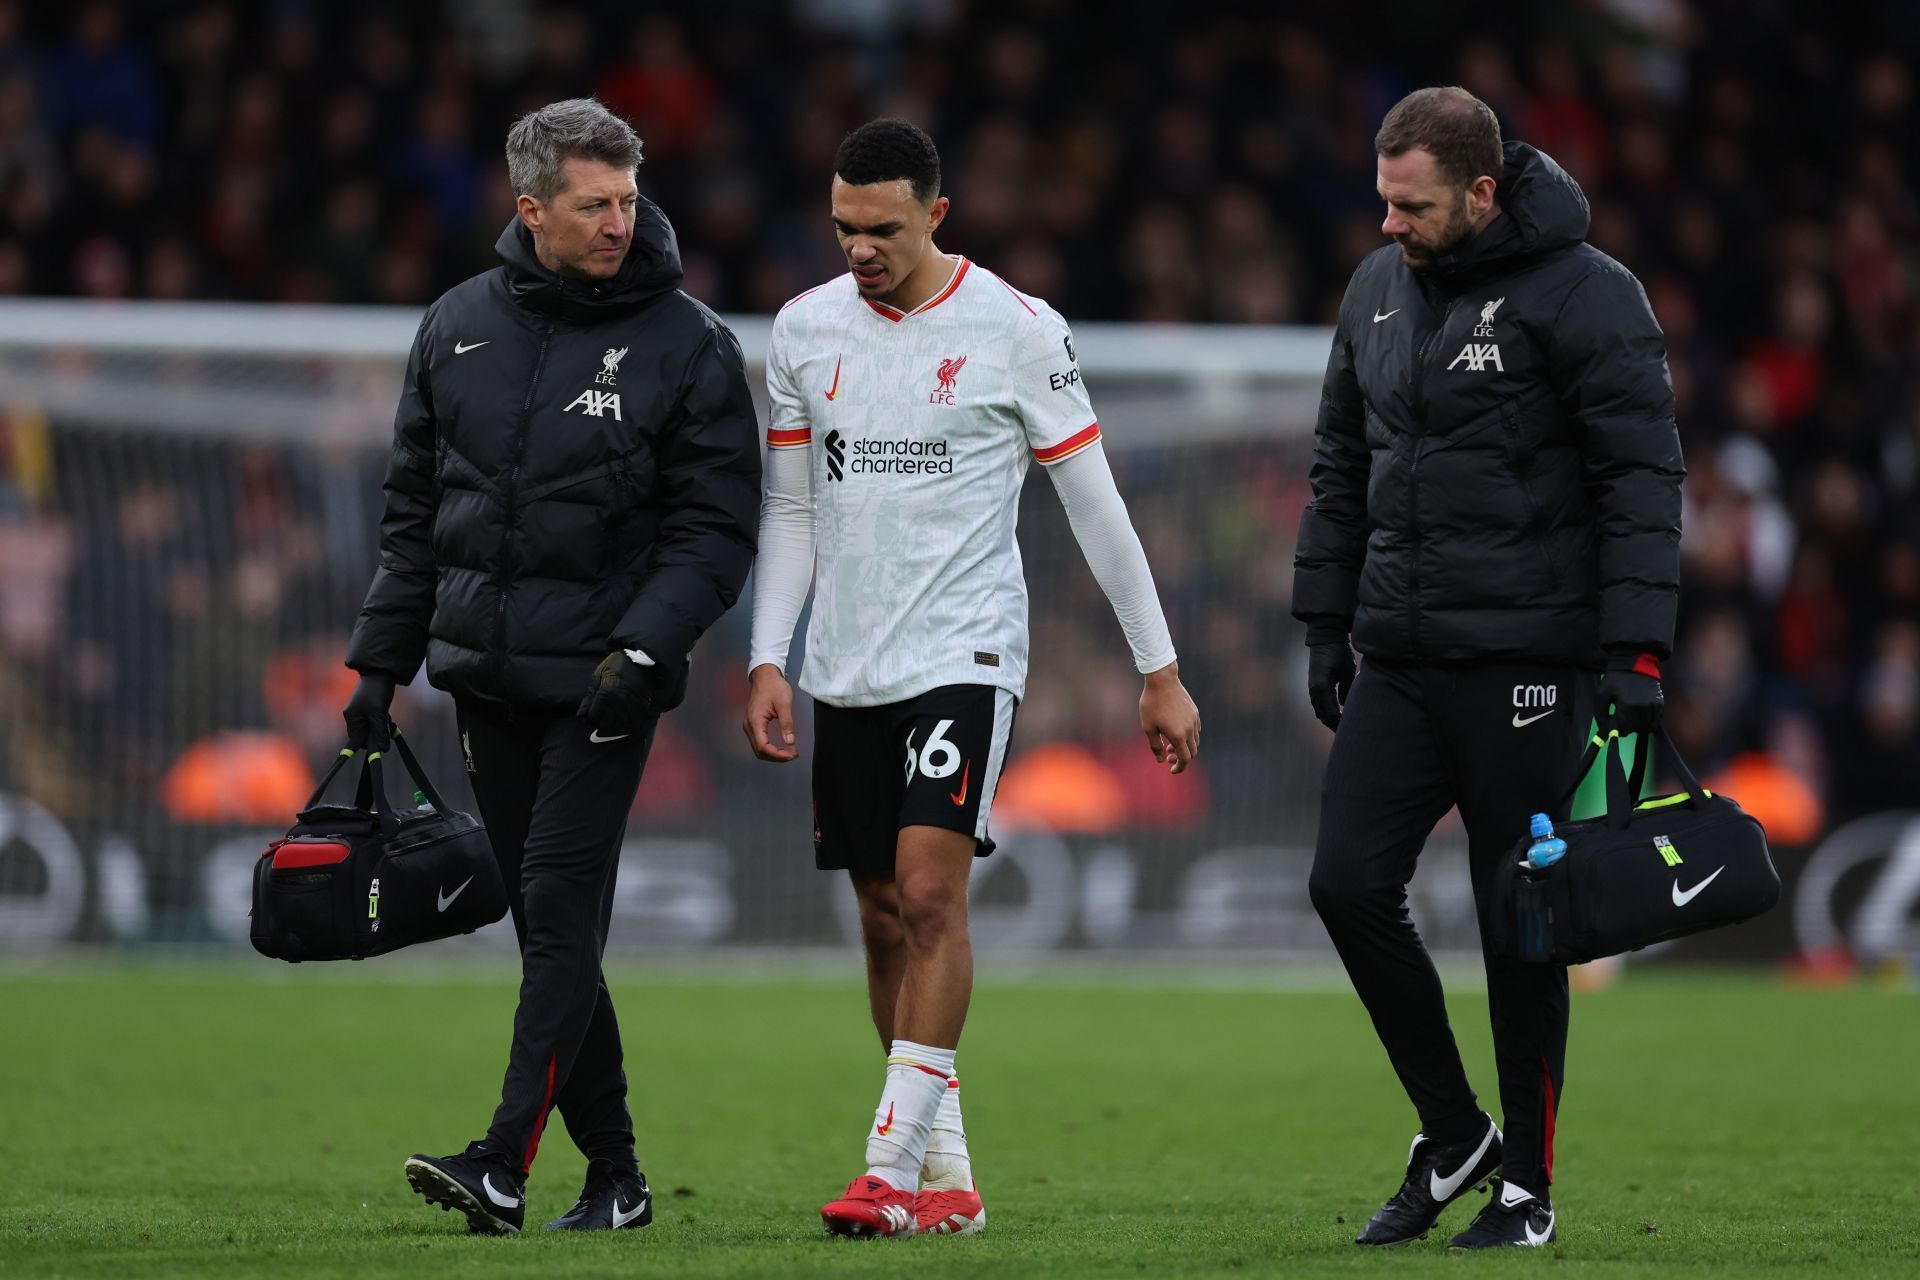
[
  {"x": 1443, "y": 1188},
  {"x": 595, "y": 737},
  {"x": 834, "y": 390},
  {"x": 882, "y": 1129},
  {"x": 1377, "y": 317},
  {"x": 1682, "y": 899},
  {"x": 1545, "y": 1236},
  {"x": 960, "y": 798},
  {"x": 622, "y": 1218},
  {"x": 505, "y": 1202},
  {"x": 1518, "y": 723},
  {"x": 461, "y": 349},
  {"x": 442, "y": 899}
]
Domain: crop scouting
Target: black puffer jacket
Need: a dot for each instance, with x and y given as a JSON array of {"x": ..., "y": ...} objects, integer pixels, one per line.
[
  {"x": 575, "y": 469},
  {"x": 1496, "y": 472}
]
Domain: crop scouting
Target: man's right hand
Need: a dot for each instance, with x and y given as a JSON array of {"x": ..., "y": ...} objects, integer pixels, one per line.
[
  {"x": 368, "y": 724},
  {"x": 770, "y": 703},
  {"x": 1330, "y": 672}
]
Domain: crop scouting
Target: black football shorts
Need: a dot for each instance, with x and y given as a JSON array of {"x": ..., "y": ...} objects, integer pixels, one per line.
[{"x": 932, "y": 760}]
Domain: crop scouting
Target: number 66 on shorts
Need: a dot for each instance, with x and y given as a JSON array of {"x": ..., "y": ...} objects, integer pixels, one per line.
[{"x": 930, "y": 760}]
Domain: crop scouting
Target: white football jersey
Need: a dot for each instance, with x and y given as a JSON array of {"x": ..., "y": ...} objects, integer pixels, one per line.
[{"x": 921, "y": 425}]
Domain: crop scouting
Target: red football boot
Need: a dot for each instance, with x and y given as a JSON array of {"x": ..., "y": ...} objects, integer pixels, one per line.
[
  {"x": 870, "y": 1207},
  {"x": 949, "y": 1213}
]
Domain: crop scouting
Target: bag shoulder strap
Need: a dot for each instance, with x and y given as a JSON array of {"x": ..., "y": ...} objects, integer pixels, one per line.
[
  {"x": 370, "y": 794},
  {"x": 326, "y": 779},
  {"x": 419, "y": 775},
  {"x": 1624, "y": 785}
]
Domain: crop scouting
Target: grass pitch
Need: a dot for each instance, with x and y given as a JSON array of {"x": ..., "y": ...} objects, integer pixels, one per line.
[{"x": 251, "y": 1121}]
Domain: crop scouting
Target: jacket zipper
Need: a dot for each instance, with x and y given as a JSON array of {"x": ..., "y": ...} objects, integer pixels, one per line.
[
  {"x": 508, "y": 491},
  {"x": 1420, "y": 372},
  {"x": 1536, "y": 528}
]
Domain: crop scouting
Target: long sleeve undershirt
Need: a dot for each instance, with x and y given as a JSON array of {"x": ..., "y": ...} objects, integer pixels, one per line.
[
  {"x": 1098, "y": 516},
  {"x": 783, "y": 574}
]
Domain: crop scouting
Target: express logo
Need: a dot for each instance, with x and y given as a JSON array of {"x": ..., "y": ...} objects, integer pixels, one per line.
[
  {"x": 1061, "y": 381},
  {"x": 948, "y": 371},
  {"x": 836, "y": 456}
]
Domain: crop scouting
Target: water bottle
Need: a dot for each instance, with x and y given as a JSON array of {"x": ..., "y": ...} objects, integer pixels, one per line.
[
  {"x": 1533, "y": 911},
  {"x": 421, "y": 803},
  {"x": 1547, "y": 848}
]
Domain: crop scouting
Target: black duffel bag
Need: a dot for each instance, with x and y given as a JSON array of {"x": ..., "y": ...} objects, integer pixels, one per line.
[
  {"x": 1641, "y": 873},
  {"x": 354, "y": 880}
]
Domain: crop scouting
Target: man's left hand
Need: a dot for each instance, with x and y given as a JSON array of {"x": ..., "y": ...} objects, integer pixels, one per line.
[
  {"x": 626, "y": 695},
  {"x": 1636, "y": 699},
  {"x": 1169, "y": 719}
]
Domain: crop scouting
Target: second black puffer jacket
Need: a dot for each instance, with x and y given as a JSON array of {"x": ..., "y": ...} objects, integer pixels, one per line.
[{"x": 1496, "y": 470}]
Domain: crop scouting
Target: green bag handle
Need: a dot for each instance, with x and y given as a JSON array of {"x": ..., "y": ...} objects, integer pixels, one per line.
[
  {"x": 371, "y": 793},
  {"x": 1623, "y": 784}
]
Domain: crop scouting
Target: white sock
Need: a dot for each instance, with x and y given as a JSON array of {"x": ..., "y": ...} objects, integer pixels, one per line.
[
  {"x": 947, "y": 1166},
  {"x": 917, "y": 1076}
]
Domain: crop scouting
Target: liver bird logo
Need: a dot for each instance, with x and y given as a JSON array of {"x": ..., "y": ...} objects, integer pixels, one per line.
[
  {"x": 610, "y": 364},
  {"x": 948, "y": 371},
  {"x": 1485, "y": 328}
]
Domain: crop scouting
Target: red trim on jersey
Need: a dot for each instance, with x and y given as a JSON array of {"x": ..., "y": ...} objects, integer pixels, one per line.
[
  {"x": 796, "y": 297},
  {"x": 896, "y": 315},
  {"x": 953, "y": 1082},
  {"x": 1068, "y": 447},
  {"x": 1015, "y": 292},
  {"x": 788, "y": 437},
  {"x": 1647, "y": 665}
]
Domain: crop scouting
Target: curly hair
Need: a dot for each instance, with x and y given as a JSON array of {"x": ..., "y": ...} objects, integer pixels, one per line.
[{"x": 887, "y": 151}]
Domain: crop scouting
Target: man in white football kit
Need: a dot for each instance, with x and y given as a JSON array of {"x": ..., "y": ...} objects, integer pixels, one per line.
[{"x": 907, "y": 398}]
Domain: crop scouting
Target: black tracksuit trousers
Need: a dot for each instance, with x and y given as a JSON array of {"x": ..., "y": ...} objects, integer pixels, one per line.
[
  {"x": 555, "y": 803},
  {"x": 1413, "y": 742}
]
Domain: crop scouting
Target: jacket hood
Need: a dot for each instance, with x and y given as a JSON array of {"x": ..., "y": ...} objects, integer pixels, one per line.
[
  {"x": 1541, "y": 209},
  {"x": 652, "y": 267}
]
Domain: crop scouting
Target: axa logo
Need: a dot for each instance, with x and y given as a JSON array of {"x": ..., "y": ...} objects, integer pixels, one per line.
[
  {"x": 595, "y": 403},
  {"x": 948, "y": 371},
  {"x": 836, "y": 456},
  {"x": 1485, "y": 328},
  {"x": 610, "y": 365},
  {"x": 1477, "y": 356}
]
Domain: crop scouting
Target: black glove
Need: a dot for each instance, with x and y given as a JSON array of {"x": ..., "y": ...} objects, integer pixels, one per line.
[
  {"x": 1634, "y": 694},
  {"x": 368, "y": 724},
  {"x": 625, "y": 695},
  {"x": 1330, "y": 673}
]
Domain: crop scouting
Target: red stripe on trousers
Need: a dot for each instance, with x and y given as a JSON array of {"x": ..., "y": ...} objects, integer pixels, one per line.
[
  {"x": 539, "y": 1122},
  {"x": 1546, "y": 1078}
]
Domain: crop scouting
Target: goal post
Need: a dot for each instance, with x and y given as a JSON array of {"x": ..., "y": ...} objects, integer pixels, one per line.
[{"x": 189, "y": 511}]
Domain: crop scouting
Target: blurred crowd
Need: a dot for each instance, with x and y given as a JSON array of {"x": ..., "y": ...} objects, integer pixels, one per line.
[{"x": 1757, "y": 166}]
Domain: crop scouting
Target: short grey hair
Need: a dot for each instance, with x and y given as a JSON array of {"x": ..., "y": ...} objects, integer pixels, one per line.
[{"x": 541, "y": 142}]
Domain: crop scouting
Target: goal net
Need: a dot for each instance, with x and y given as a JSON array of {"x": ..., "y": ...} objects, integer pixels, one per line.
[{"x": 189, "y": 511}]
